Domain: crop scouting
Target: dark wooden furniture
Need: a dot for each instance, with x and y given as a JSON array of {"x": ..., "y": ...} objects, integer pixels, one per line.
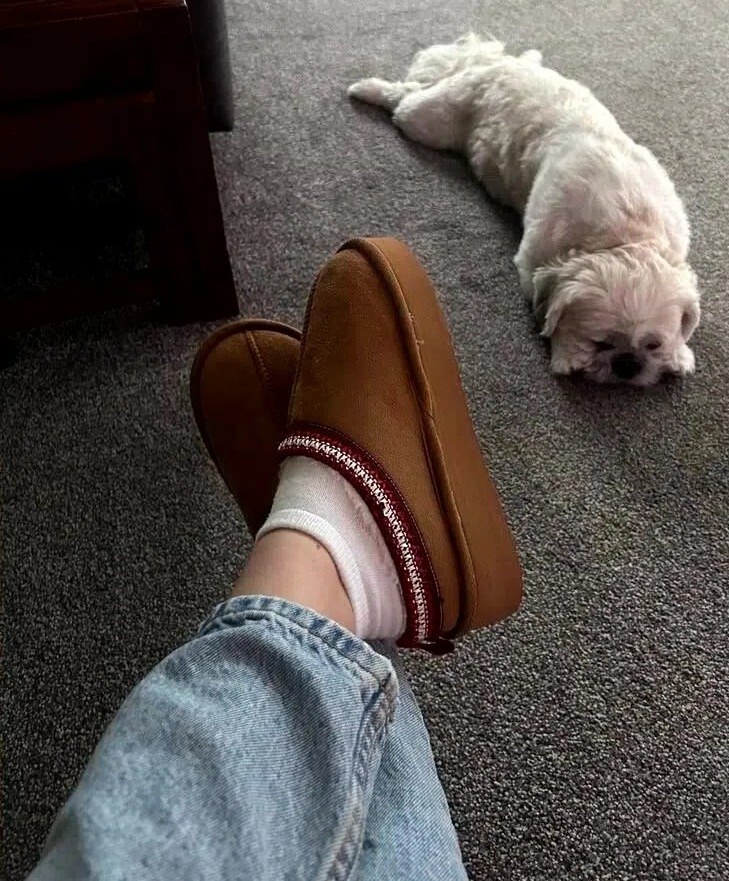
[{"x": 89, "y": 80}]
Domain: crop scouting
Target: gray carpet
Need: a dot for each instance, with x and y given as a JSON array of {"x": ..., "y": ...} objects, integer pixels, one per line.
[{"x": 588, "y": 737}]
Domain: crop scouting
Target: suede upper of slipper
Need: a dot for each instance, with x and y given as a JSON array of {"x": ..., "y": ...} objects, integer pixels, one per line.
[
  {"x": 378, "y": 397},
  {"x": 240, "y": 387}
]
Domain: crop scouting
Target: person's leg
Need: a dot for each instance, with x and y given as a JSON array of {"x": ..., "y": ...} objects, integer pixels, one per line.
[
  {"x": 409, "y": 832},
  {"x": 253, "y": 750},
  {"x": 275, "y": 566}
]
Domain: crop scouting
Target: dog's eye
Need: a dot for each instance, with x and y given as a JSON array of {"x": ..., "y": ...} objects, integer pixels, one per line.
[
  {"x": 602, "y": 345},
  {"x": 653, "y": 345}
]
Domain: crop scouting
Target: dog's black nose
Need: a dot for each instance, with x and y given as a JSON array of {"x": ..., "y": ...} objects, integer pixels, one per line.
[{"x": 626, "y": 366}]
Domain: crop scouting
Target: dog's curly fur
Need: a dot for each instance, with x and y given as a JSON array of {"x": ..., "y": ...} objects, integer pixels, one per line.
[{"x": 603, "y": 257}]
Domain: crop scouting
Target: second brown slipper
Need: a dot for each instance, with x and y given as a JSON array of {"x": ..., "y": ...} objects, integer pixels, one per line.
[
  {"x": 240, "y": 386},
  {"x": 378, "y": 397}
]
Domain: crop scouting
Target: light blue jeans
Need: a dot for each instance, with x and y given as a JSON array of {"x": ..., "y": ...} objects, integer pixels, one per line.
[{"x": 274, "y": 745}]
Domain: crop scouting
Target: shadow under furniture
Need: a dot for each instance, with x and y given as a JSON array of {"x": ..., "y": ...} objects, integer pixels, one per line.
[{"x": 139, "y": 84}]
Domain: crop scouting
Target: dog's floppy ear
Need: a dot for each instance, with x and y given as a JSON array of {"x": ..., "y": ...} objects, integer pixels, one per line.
[
  {"x": 543, "y": 281},
  {"x": 689, "y": 301},
  {"x": 549, "y": 302},
  {"x": 690, "y": 319}
]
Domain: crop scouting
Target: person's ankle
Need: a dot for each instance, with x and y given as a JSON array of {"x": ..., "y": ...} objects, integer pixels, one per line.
[
  {"x": 316, "y": 500},
  {"x": 293, "y": 566}
]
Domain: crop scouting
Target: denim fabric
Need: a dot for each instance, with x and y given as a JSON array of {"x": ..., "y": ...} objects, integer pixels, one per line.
[{"x": 274, "y": 745}]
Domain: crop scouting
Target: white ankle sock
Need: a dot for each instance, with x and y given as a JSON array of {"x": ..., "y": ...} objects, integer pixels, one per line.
[{"x": 314, "y": 499}]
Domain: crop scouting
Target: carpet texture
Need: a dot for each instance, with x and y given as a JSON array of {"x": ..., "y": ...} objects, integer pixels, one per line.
[{"x": 588, "y": 736}]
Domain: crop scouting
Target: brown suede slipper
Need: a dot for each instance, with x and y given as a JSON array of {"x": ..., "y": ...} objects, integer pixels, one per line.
[
  {"x": 378, "y": 397},
  {"x": 240, "y": 387}
]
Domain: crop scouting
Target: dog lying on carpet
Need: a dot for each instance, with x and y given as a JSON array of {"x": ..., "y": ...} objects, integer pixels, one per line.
[{"x": 603, "y": 257}]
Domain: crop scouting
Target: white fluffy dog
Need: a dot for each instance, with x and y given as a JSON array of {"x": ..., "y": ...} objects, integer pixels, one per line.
[{"x": 605, "y": 243}]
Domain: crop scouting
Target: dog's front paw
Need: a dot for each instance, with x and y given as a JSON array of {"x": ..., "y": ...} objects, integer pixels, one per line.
[{"x": 685, "y": 361}]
